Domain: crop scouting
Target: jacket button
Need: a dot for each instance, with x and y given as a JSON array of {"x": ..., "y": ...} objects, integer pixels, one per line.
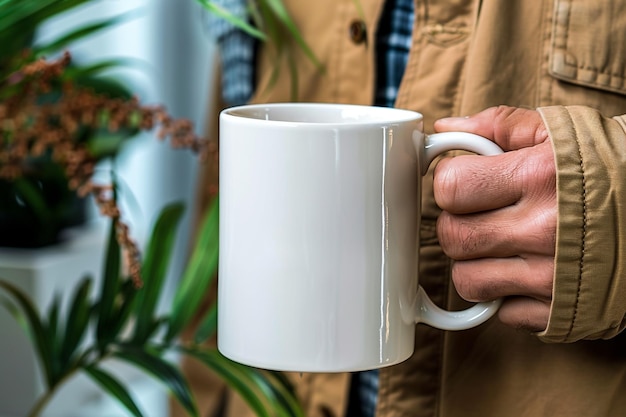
[{"x": 358, "y": 31}]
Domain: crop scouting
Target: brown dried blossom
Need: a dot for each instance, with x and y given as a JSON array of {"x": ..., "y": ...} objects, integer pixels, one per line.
[
  {"x": 105, "y": 200},
  {"x": 30, "y": 128}
]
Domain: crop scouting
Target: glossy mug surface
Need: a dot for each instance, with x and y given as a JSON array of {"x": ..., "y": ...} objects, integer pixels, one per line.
[{"x": 319, "y": 220}]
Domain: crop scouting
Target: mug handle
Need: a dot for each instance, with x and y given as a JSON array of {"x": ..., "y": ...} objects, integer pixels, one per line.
[{"x": 427, "y": 311}]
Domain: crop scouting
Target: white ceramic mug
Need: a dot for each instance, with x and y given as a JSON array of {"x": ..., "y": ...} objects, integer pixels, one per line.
[{"x": 319, "y": 218}]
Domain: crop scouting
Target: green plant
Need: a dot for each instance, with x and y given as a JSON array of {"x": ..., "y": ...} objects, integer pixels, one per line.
[
  {"x": 123, "y": 311},
  {"x": 128, "y": 327},
  {"x": 66, "y": 117}
]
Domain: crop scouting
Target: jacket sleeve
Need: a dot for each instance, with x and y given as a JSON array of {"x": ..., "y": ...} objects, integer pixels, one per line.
[{"x": 589, "y": 295}]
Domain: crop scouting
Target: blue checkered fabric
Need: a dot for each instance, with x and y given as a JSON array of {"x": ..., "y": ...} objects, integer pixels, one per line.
[
  {"x": 236, "y": 52},
  {"x": 393, "y": 42},
  {"x": 363, "y": 394}
]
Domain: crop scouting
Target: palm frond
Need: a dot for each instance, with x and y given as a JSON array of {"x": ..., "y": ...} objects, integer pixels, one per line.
[
  {"x": 111, "y": 385},
  {"x": 155, "y": 268},
  {"x": 35, "y": 327},
  {"x": 163, "y": 371},
  {"x": 198, "y": 274}
]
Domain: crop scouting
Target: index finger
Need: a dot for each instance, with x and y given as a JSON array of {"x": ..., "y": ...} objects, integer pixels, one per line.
[
  {"x": 510, "y": 127},
  {"x": 471, "y": 183}
]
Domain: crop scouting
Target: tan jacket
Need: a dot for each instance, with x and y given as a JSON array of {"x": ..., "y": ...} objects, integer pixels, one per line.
[{"x": 565, "y": 57}]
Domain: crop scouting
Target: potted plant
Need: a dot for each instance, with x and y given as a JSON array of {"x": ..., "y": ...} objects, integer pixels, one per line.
[{"x": 38, "y": 204}]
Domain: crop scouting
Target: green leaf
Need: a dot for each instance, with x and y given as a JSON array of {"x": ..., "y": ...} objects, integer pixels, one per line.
[
  {"x": 42, "y": 9},
  {"x": 53, "y": 318},
  {"x": 33, "y": 12},
  {"x": 268, "y": 393},
  {"x": 276, "y": 388},
  {"x": 265, "y": 17},
  {"x": 359, "y": 8},
  {"x": 164, "y": 372},
  {"x": 106, "y": 144},
  {"x": 237, "y": 378},
  {"x": 110, "y": 286},
  {"x": 207, "y": 326},
  {"x": 114, "y": 388},
  {"x": 77, "y": 320},
  {"x": 53, "y": 337},
  {"x": 198, "y": 274},
  {"x": 17, "y": 314},
  {"x": 282, "y": 390},
  {"x": 281, "y": 13},
  {"x": 293, "y": 71},
  {"x": 86, "y": 74},
  {"x": 232, "y": 19},
  {"x": 123, "y": 308},
  {"x": 35, "y": 328},
  {"x": 20, "y": 19},
  {"x": 155, "y": 268},
  {"x": 79, "y": 33}
]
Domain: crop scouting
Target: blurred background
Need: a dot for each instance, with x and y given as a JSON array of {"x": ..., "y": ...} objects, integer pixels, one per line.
[{"x": 170, "y": 63}]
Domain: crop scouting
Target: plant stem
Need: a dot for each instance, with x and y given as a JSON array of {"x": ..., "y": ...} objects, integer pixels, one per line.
[
  {"x": 41, "y": 404},
  {"x": 45, "y": 398},
  {"x": 80, "y": 364}
]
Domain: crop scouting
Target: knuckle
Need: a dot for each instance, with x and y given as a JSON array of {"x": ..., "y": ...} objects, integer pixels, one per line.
[
  {"x": 524, "y": 314},
  {"x": 474, "y": 240},
  {"x": 511, "y": 320},
  {"x": 463, "y": 240},
  {"x": 465, "y": 286},
  {"x": 503, "y": 112},
  {"x": 511, "y": 123},
  {"x": 503, "y": 120},
  {"x": 537, "y": 169},
  {"x": 445, "y": 184},
  {"x": 447, "y": 231},
  {"x": 543, "y": 279},
  {"x": 545, "y": 231}
]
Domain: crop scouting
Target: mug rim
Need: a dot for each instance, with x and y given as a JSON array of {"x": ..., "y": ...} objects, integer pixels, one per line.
[{"x": 244, "y": 114}]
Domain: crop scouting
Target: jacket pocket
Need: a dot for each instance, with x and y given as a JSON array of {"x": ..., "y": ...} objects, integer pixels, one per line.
[{"x": 589, "y": 44}]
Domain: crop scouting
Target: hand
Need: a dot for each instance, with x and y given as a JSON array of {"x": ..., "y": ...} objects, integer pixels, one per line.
[{"x": 499, "y": 215}]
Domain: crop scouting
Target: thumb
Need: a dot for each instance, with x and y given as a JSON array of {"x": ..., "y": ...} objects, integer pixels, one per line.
[{"x": 510, "y": 127}]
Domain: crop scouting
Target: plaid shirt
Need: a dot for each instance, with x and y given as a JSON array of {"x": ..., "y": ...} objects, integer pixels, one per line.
[
  {"x": 236, "y": 52},
  {"x": 393, "y": 41}
]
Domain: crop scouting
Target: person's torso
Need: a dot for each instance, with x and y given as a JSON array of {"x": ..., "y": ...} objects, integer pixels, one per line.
[{"x": 468, "y": 55}]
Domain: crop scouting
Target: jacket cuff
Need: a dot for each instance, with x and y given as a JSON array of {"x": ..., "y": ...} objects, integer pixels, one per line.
[{"x": 589, "y": 295}]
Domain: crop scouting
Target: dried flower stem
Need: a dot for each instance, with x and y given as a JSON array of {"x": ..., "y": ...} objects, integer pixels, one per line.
[{"x": 31, "y": 127}]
